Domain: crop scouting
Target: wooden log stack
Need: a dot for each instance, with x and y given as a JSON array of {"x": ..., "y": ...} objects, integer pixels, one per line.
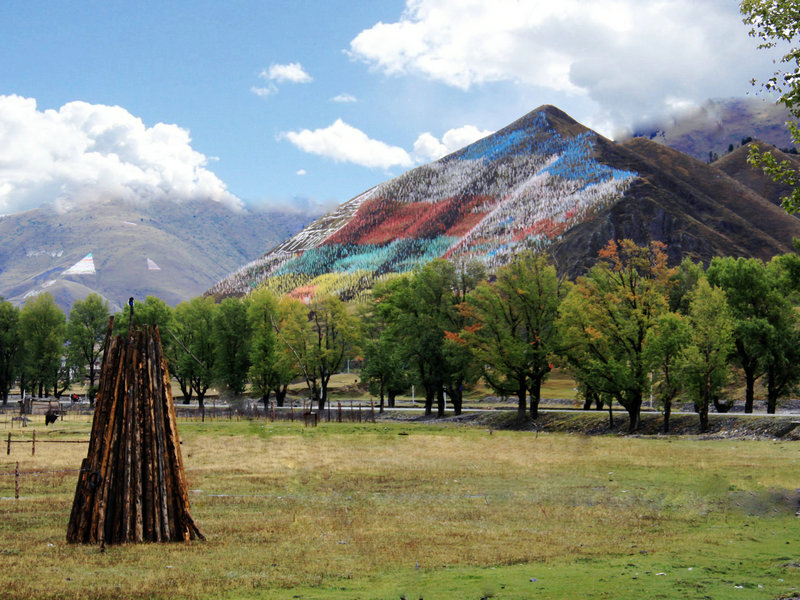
[{"x": 132, "y": 486}]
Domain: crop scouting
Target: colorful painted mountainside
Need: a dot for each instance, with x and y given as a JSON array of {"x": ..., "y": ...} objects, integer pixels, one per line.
[
  {"x": 171, "y": 250},
  {"x": 543, "y": 182}
]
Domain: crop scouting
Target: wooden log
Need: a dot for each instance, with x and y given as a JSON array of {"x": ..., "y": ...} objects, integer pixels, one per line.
[{"x": 132, "y": 485}]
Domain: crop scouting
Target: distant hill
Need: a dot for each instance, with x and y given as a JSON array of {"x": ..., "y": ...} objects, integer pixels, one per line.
[
  {"x": 719, "y": 124},
  {"x": 543, "y": 182},
  {"x": 735, "y": 164},
  {"x": 168, "y": 249}
]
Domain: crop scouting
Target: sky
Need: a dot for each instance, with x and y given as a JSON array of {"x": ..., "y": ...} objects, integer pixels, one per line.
[{"x": 304, "y": 104}]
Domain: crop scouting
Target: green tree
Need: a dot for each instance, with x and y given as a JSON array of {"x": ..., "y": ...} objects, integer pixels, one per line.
[
  {"x": 703, "y": 364},
  {"x": 265, "y": 352},
  {"x": 322, "y": 343},
  {"x": 513, "y": 327},
  {"x": 86, "y": 331},
  {"x": 782, "y": 353},
  {"x": 664, "y": 346},
  {"x": 384, "y": 369},
  {"x": 606, "y": 317},
  {"x": 777, "y": 22},
  {"x": 193, "y": 345},
  {"x": 44, "y": 327},
  {"x": 10, "y": 347},
  {"x": 748, "y": 289},
  {"x": 231, "y": 333}
]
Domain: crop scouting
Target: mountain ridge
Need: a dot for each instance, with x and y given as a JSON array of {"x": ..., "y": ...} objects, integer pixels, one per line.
[
  {"x": 544, "y": 181},
  {"x": 193, "y": 243}
]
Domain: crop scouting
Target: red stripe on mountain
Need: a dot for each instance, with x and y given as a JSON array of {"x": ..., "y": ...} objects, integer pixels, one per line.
[{"x": 381, "y": 220}]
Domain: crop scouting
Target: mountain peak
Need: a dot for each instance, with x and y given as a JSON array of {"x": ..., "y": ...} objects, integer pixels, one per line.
[{"x": 544, "y": 182}]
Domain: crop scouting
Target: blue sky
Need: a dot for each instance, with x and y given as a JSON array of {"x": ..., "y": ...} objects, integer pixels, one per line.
[{"x": 307, "y": 102}]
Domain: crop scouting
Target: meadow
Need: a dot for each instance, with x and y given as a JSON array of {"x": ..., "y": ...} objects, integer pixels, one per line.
[{"x": 411, "y": 510}]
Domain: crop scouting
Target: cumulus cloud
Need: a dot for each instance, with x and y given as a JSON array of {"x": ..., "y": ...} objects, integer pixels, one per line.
[
  {"x": 632, "y": 59},
  {"x": 427, "y": 147},
  {"x": 291, "y": 72},
  {"x": 345, "y": 98},
  {"x": 345, "y": 143},
  {"x": 86, "y": 152},
  {"x": 301, "y": 172}
]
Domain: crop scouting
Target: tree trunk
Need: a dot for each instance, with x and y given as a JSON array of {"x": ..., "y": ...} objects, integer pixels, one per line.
[
  {"x": 667, "y": 411},
  {"x": 522, "y": 392},
  {"x": 634, "y": 407},
  {"x": 391, "y": 398},
  {"x": 186, "y": 391},
  {"x": 634, "y": 413},
  {"x": 536, "y": 393},
  {"x": 749, "y": 394},
  {"x": 772, "y": 396},
  {"x": 280, "y": 395},
  {"x": 703, "y": 412},
  {"x": 265, "y": 398},
  {"x": 440, "y": 402},
  {"x": 429, "y": 396},
  {"x": 456, "y": 398},
  {"x": 380, "y": 406}
]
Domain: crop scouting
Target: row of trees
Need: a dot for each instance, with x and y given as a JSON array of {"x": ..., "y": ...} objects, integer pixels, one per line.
[{"x": 630, "y": 329}]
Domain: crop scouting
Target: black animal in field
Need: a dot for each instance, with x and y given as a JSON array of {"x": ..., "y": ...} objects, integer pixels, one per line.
[{"x": 51, "y": 416}]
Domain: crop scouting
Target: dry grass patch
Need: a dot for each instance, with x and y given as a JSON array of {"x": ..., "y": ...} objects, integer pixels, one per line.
[{"x": 287, "y": 508}]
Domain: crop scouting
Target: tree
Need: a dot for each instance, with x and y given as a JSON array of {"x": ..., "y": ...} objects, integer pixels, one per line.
[
  {"x": 44, "y": 327},
  {"x": 322, "y": 344},
  {"x": 782, "y": 353},
  {"x": 703, "y": 364},
  {"x": 776, "y": 22},
  {"x": 10, "y": 347},
  {"x": 664, "y": 345},
  {"x": 605, "y": 319},
  {"x": 86, "y": 330},
  {"x": 193, "y": 345},
  {"x": 264, "y": 350},
  {"x": 231, "y": 333},
  {"x": 749, "y": 294},
  {"x": 514, "y": 327},
  {"x": 384, "y": 369}
]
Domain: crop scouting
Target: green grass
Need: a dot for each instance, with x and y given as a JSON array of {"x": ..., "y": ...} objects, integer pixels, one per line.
[{"x": 383, "y": 510}]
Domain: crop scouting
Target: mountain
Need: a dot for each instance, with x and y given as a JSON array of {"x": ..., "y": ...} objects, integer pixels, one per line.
[
  {"x": 735, "y": 165},
  {"x": 713, "y": 128},
  {"x": 543, "y": 182},
  {"x": 173, "y": 250}
]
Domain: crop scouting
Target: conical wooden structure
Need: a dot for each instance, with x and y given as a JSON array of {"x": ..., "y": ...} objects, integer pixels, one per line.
[{"x": 132, "y": 486}]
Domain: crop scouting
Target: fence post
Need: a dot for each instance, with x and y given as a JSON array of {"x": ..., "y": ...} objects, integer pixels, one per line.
[
  {"x": 339, "y": 413},
  {"x": 16, "y": 482},
  {"x": 8, "y": 450},
  {"x": 33, "y": 444}
]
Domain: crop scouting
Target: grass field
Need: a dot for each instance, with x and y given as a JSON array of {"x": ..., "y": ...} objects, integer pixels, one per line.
[{"x": 414, "y": 511}]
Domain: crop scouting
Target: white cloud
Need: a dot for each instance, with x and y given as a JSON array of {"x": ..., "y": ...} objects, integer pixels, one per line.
[
  {"x": 83, "y": 152},
  {"x": 291, "y": 72},
  {"x": 632, "y": 59},
  {"x": 427, "y": 147},
  {"x": 262, "y": 91},
  {"x": 301, "y": 172},
  {"x": 345, "y": 143},
  {"x": 345, "y": 98}
]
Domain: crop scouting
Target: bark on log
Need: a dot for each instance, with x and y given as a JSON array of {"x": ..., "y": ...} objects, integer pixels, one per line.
[{"x": 132, "y": 486}]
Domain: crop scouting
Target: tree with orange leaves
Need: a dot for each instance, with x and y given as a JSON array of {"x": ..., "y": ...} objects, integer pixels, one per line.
[{"x": 607, "y": 315}]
